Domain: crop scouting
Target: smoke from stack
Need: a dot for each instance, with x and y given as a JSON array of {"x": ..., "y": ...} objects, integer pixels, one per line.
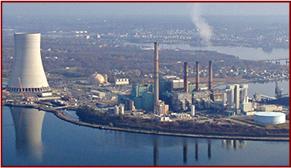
[
  {"x": 210, "y": 75},
  {"x": 156, "y": 78},
  {"x": 197, "y": 76},
  {"x": 186, "y": 77},
  {"x": 203, "y": 28}
]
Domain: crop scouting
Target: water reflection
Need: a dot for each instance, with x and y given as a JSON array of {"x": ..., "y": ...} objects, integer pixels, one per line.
[
  {"x": 76, "y": 145},
  {"x": 156, "y": 151},
  {"x": 185, "y": 151},
  {"x": 233, "y": 144},
  {"x": 28, "y": 129},
  {"x": 228, "y": 144},
  {"x": 196, "y": 150},
  {"x": 209, "y": 149}
]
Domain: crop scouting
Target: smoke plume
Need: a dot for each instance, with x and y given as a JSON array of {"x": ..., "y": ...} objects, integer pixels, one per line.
[{"x": 205, "y": 31}]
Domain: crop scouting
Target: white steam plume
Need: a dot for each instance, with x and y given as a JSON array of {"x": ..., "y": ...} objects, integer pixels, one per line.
[{"x": 205, "y": 31}]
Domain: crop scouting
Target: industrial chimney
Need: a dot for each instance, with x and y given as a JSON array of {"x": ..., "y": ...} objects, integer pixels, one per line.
[
  {"x": 186, "y": 77},
  {"x": 156, "y": 78},
  {"x": 197, "y": 76},
  {"x": 210, "y": 76},
  {"x": 27, "y": 73}
]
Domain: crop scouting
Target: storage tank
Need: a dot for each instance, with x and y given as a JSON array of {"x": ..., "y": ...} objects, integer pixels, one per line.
[
  {"x": 193, "y": 110},
  {"x": 269, "y": 118},
  {"x": 98, "y": 79},
  {"x": 27, "y": 71}
]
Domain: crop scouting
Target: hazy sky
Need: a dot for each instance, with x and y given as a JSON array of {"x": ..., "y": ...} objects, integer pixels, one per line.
[{"x": 105, "y": 9}]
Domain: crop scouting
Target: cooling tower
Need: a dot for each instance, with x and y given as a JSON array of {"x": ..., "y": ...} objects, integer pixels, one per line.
[{"x": 27, "y": 69}]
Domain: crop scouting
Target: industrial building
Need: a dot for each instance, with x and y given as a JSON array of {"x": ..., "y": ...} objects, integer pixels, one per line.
[
  {"x": 121, "y": 81},
  {"x": 183, "y": 96},
  {"x": 236, "y": 98},
  {"x": 98, "y": 79},
  {"x": 27, "y": 70},
  {"x": 269, "y": 107},
  {"x": 119, "y": 109},
  {"x": 141, "y": 97}
]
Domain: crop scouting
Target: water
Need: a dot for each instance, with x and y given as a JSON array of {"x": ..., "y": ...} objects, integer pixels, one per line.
[
  {"x": 242, "y": 52},
  {"x": 268, "y": 88},
  {"x": 39, "y": 138}
]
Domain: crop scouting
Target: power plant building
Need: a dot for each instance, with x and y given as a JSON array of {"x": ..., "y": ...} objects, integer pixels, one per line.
[
  {"x": 237, "y": 98},
  {"x": 27, "y": 71}
]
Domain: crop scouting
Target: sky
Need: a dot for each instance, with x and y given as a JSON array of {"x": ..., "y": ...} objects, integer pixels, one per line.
[{"x": 150, "y": 9}]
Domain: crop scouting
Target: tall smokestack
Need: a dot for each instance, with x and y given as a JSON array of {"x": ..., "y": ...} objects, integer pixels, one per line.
[
  {"x": 156, "y": 78},
  {"x": 186, "y": 77},
  {"x": 210, "y": 76},
  {"x": 197, "y": 76}
]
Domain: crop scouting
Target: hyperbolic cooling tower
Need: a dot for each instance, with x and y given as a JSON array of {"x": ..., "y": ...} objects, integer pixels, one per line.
[{"x": 27, "y": 73}]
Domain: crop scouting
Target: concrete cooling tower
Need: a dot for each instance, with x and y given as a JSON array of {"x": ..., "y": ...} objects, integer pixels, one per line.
[{"x": 27, "y": 69}]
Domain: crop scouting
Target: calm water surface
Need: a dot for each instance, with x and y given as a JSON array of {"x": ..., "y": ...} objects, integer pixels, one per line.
[
  {"x": 32, "y": 137},
  {"x": 241, "y": 52},
  {"x": 268, "y": 88}
]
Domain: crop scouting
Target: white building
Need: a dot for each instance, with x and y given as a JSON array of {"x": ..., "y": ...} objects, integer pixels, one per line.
[
  {"x": 230, "y": 95},
  {"x": 244, "y": 93},
  {"x": 236, "y": 97},
  {"x": 119, "y": 109},
  {"x": 121, "y": 81}
]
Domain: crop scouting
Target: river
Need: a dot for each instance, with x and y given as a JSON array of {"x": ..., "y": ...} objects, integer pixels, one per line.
[
  {"x": 241, "y": 52},
  {"x": 268, "y": 88},
  {"x": 35, "y": 137}
]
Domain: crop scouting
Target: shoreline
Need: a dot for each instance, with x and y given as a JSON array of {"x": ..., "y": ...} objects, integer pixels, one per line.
[{"x": 61, "y": 115}]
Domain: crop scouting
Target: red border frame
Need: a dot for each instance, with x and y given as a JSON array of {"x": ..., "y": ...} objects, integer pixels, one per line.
[{"x": 135, "y": 1}]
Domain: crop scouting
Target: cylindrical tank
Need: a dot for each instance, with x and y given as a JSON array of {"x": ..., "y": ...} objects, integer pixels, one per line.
[
  {"x": 121, "y": 109},
  {"x": 116, "y": 110},
  {"x": 270, "y": 117},
  {"x": 193, "y": 110},
  {"x": 27, "y": 72}
]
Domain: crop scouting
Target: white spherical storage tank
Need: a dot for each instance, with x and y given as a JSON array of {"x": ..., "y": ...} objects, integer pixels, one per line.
[
  {"x": 27, "y": 70},
  {"x": 270, "y": 117}
]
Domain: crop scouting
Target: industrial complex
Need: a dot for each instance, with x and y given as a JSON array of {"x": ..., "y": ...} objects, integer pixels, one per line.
[{"x": 163, "y": 98}]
